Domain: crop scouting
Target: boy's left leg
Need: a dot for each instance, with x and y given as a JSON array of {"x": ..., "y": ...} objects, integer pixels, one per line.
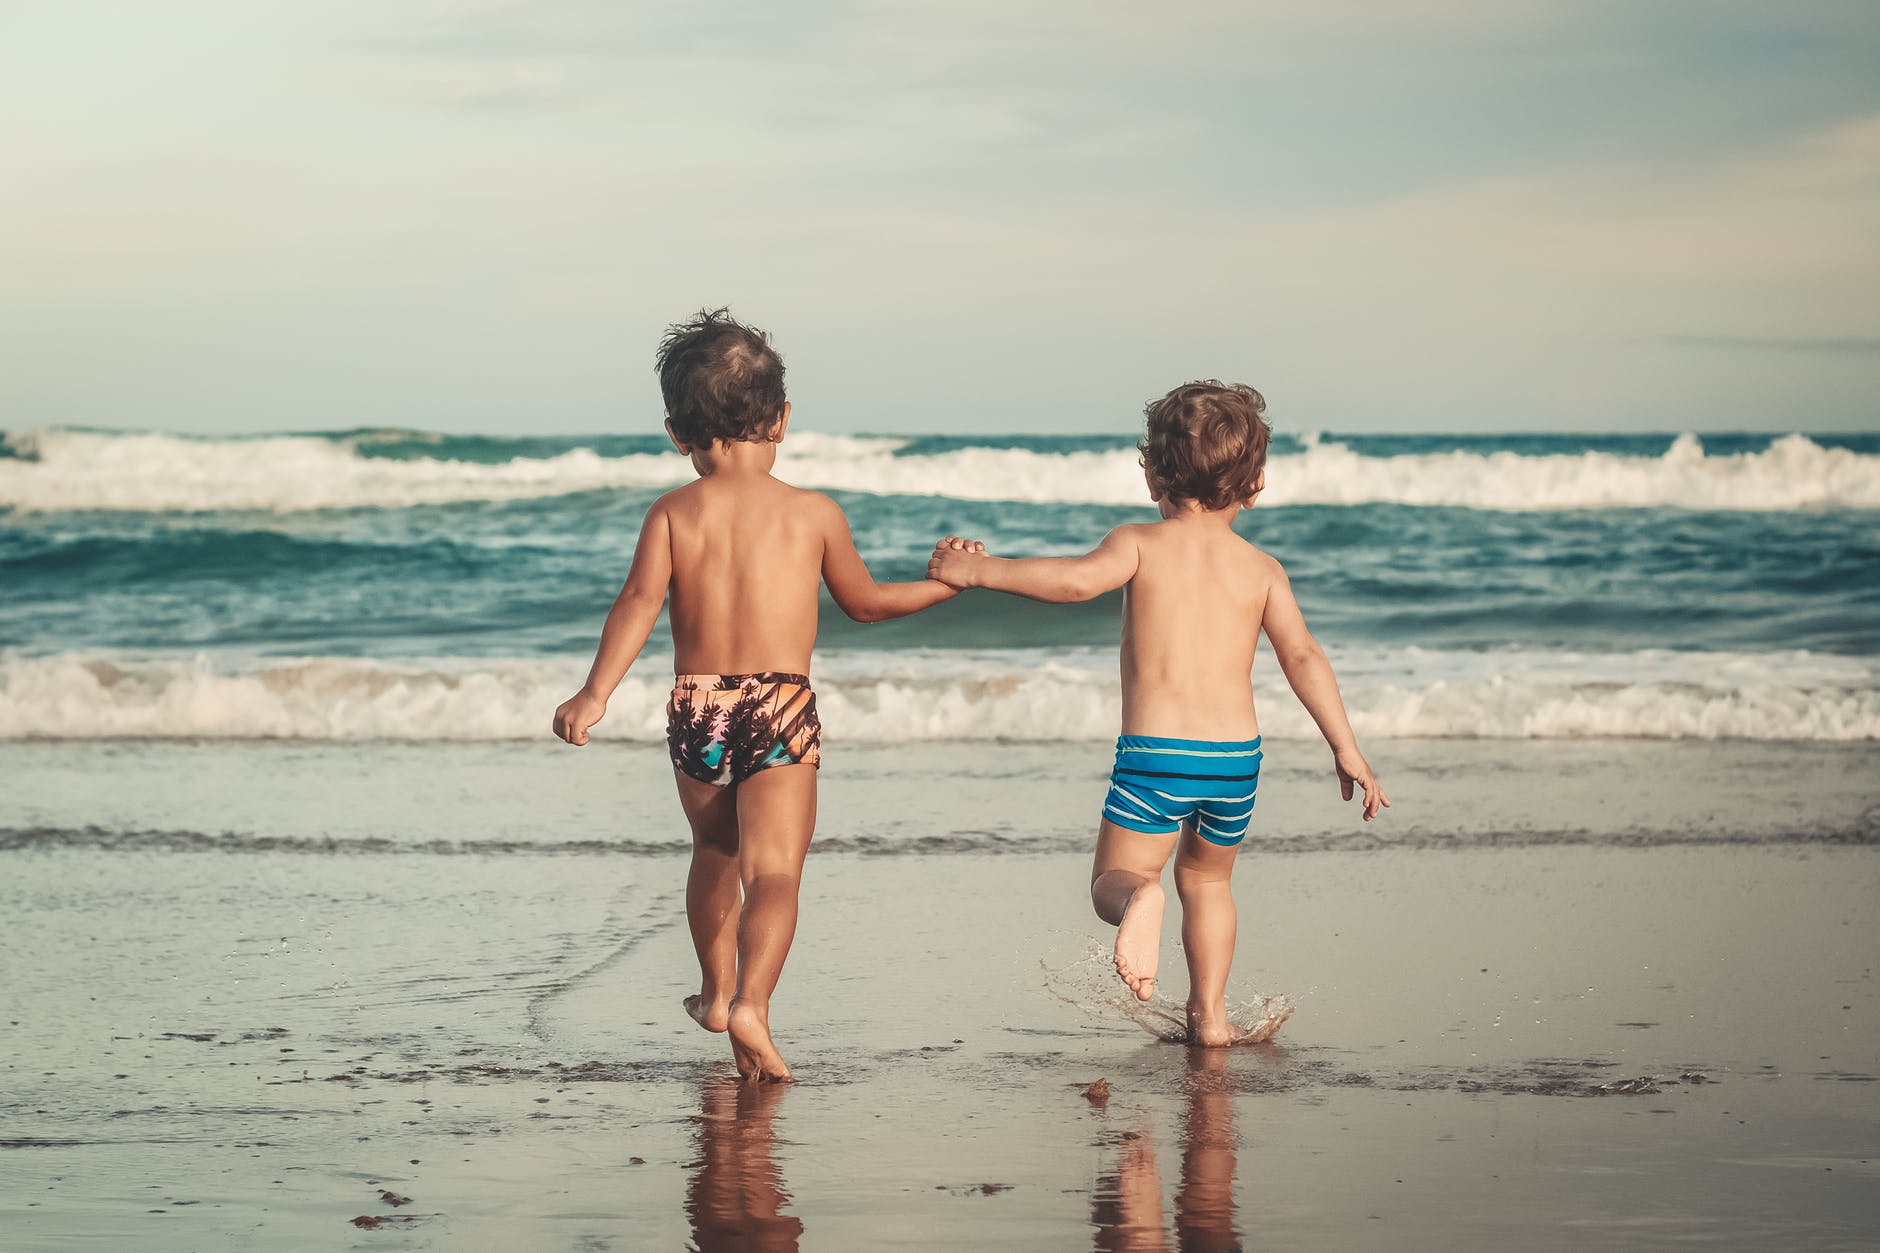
[
  {"x": 776, "y": 818},
  {"x": 1204, "y": 881},
  {"x": 711, "y": 896}
]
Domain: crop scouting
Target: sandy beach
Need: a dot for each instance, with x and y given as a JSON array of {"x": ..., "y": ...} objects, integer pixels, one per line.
[{"x": 1606, "y": 994}]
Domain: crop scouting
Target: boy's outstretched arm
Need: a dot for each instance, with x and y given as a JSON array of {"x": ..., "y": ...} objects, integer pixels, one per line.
[
  {"x": 1310, "y": 674},
  {"x": 1057, "y": 579},
  {"x": 629, "y": 622},
  {"x": 854, "y": 589}
]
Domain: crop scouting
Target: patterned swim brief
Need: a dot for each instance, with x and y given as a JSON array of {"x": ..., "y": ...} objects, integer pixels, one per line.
[{"x": 724, "y": 728}]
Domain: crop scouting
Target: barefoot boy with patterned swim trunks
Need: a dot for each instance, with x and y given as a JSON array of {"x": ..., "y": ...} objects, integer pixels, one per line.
[
  {"x": 1188, "y": 762},
  {"x": 742, "y": 555}
]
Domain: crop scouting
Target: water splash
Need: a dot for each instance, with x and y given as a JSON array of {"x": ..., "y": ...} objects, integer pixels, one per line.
[{"x": 1089, "y": 983}]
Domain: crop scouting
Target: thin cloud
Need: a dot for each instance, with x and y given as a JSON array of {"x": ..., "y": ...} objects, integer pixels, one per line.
[{"x": 1838, "y": 345}]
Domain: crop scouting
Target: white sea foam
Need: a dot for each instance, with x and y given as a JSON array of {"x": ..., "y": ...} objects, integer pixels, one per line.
[
  {"x": 1021, "y": 695},
  {"x": 66, "y": 470}
]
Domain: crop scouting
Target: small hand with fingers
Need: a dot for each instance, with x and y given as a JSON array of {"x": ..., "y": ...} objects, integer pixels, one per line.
[
  {"x": 575, "y": 715},
  {"x": 1355, "y": 772},
  {"x": 954, "y": 560}
]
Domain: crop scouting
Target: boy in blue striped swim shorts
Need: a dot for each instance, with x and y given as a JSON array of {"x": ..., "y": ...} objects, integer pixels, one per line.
[{"x": 1196, "y": 598}]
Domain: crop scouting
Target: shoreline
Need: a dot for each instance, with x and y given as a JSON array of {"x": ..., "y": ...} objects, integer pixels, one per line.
[
  {"x": 1500, "y": 1039},
  {"x": 1570, "y": 1048},
  {"x": 922, "y": 798}
]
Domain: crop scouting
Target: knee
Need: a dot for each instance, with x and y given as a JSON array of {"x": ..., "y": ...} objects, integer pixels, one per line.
[
  {"x": 770, "y": 880},
  {"x": 1193, "y": 881}
]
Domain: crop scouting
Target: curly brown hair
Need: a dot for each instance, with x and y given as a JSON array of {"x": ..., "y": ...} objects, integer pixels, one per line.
[
  {"x": 1206, "y": 443},
  {"x": 721, "y": 380}
]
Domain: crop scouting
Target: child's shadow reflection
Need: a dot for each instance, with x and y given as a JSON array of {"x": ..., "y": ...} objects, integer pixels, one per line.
[
  {"x": 735, "y": 1196},
  {"x": 1127, "y": 1209}
]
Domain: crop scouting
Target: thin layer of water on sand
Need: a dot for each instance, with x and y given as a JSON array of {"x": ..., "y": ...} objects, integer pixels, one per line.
[{"x": 256, "y": 1047}]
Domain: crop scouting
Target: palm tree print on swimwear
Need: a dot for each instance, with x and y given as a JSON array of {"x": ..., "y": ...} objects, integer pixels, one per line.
[{"x": 723, "y": 728}]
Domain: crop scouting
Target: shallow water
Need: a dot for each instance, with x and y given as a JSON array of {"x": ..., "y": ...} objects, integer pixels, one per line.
[{"x": 1638, "y": 1037}]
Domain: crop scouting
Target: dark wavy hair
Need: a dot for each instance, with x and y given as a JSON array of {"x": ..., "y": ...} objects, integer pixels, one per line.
[
  {"x": 1206, "y": 443},
  {"x": 721, "y": 380}
]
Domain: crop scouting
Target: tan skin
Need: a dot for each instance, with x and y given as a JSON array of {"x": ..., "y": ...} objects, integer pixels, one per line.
[
  {"x": 1186, "y": 659},
  {"x": 741, "y": 554}
]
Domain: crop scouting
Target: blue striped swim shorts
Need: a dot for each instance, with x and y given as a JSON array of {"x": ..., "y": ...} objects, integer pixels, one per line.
[{"x": 1157, "y": 785}]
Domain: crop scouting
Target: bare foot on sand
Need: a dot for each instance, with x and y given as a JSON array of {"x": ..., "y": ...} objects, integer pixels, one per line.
[
  {"x": 1210, "y": 1028},
  {"x": 1139, "y": 940},
  {"x": 756, "y": 1056},
  {"x": 709, "y": 1014}
]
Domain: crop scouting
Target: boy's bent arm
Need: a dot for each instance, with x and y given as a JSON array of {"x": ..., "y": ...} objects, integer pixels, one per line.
[
  {"x": 854, "y": 589},
  {"x": 628, "y": 624},
  {"x": 1310, "y": 673},
  {"x": 1060, "y": 580}
]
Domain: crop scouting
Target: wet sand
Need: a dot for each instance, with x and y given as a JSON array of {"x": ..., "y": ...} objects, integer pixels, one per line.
[{"x": 1619, "y": 995}]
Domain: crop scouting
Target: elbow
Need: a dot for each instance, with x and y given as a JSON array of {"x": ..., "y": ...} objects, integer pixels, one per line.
[
  {"x": 642, "y": 599},
  {"x": 1300, "y": 655},
  {"x": 863, "y": 612}
]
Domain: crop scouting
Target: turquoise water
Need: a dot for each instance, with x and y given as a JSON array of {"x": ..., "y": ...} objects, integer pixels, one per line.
[{"x": 1648, "y": 584}]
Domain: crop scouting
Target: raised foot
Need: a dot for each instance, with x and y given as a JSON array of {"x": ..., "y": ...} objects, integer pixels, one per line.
[
  {"x": 713, "y": 1015},
  {"x": 757, "y": 1057},
  {"x": 1139, "y": 940}
]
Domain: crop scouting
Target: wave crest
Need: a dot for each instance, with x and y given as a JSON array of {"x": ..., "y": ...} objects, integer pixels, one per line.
[
  {"x": 76, "y": 470},
  {"x": 1009, "y": 696}
]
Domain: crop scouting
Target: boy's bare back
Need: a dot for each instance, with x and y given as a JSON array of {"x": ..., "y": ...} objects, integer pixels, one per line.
[
  {"x": 1191, "y": 622},
  {"x": 746, "y": 553},
  {"x": 747, "y": 559}
]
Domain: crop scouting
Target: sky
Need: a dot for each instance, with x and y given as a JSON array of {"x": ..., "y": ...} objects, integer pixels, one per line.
[{"x": 1388, "y": 215}]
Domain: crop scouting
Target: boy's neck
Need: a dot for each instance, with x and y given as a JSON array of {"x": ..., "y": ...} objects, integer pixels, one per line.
[
  {"x": 739, "y": 459},
  {"x": 1189, "y": 511}
]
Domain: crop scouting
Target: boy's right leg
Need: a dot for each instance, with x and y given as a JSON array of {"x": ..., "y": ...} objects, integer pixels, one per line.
[
  {"x": 711, "y": 897},
  {"x": 776, "y": 818},
  {"x": 1204, "y": 880},
  {"x": 1126, "y": 889}
]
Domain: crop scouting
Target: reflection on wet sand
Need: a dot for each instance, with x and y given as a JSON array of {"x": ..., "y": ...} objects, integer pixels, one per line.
[
  {"x": 1127, "y": 1209},
  {"x": 735, "y": 1196}
]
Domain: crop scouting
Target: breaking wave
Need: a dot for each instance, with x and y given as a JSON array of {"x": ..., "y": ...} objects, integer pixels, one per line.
[
  {"x": 1011, "y": 695},
  {"x": 59, "y": 470}
]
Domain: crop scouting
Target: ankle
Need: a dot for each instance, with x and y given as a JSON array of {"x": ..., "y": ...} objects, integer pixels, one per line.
[{"x": 1204, "y": 1012}]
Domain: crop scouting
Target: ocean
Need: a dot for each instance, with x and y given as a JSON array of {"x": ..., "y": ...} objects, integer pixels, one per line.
[
  {"x": 414, "y": 586},
  {"x": 381, "y": 584}
]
